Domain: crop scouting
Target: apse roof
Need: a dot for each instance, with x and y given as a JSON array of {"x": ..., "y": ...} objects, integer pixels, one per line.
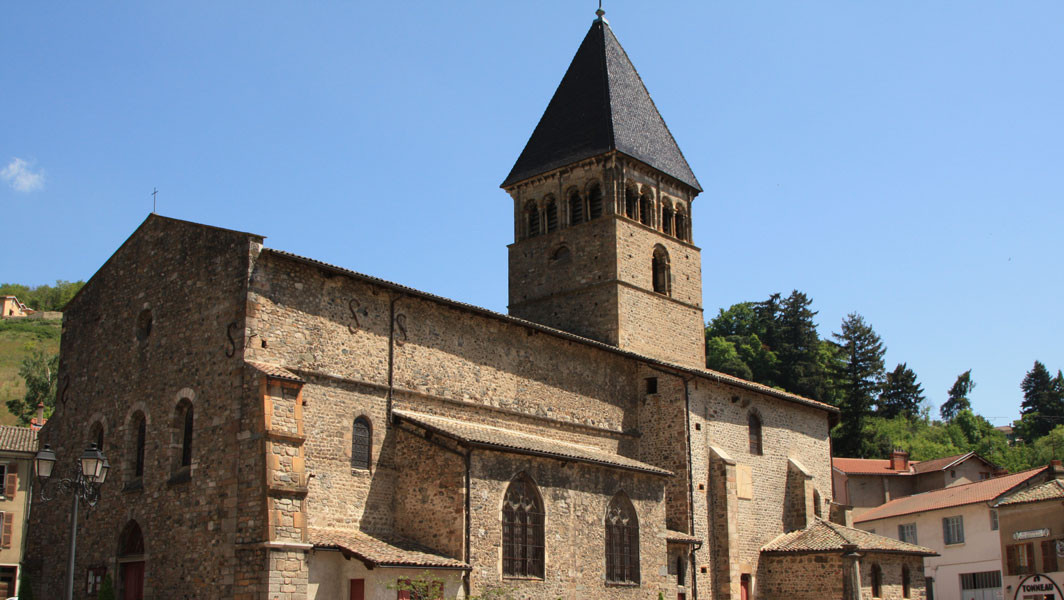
[{"x": 601, "y": 105}]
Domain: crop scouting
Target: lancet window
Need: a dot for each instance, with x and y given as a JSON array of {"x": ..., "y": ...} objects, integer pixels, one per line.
[
  {"x": 622, "y": 541},
  {"x": 522, "y": 529}
]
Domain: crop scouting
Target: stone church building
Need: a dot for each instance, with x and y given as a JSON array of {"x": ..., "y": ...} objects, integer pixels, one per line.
[{"x": 282, "y": 428}]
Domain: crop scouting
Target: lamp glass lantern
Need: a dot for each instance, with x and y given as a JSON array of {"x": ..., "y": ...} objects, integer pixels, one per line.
[
  {"x": 44, "y": 461},
  {"x": 92, "y": 463}
]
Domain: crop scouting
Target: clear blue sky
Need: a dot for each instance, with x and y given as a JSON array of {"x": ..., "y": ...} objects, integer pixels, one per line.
[{"x": 899, "y": 159}]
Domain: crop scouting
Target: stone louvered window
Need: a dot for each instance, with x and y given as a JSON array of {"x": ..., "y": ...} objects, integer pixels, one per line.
[
  {"x": 576, "y": 209},
  {"x": 681, "y": 226},
  {"x": 594, "y": 201},
  {"x": 754, "y": 425},
  {"x": 552, "y": 216},
  {"x": 645, "y": 210},
  {"x": 631, "y": 203},
  {"x": 666, "y": 220},
  {"x": 361, "y": 443},
  {"x": 532, "y": 210},
  {"x": 661, "y": 271},
  {"x": 522, "y": 530},
  {"x": 622, "y": 541}
]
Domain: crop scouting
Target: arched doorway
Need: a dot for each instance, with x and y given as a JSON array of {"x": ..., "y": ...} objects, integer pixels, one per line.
[{"x": 131, "y": 562}]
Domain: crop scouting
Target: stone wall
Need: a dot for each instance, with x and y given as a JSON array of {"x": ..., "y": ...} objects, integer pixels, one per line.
[
  {"x": 801, "y": 576},
  {"x": 190, "y": 279},
  {"x": 891, "y": 565}
]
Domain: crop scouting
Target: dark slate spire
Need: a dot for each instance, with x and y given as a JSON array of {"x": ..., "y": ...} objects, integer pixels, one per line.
[{"x": 601, "y": 105}]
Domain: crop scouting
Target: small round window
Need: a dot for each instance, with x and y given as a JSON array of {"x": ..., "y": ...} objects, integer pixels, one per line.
[{"x": 144, "y": 324}]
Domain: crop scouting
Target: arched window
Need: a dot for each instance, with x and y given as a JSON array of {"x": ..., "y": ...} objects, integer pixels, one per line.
[
  {"x": 532, "y": 218},
  {"x": 138, "y": 436},
  {"x": 96, "y": 435},
  {"x": 181, "y": 434},
  {"x": 666, "y": 220},
  {"x": 361, "y": 443},
  {"x": 816, "y": 504},
  {"x": 561, "y": 255},
  {"x": 661, "y": 274},
  {"x": 522, "y": 529},
  {"x": 594, "y": 201},
  {"x": 754, "y": 423},
  {"x": 645, "y": 210},
  {"x": 905, "y": 585},
  {"x": 131, "y": 541},
  {"x": 681, "y": 226},
  {"x": 552, "y": 216},
  {"x": 622, "y": 541},
  {"x": 576, "y": 208},
  {"x": 877, "y": 581},
  {"x": 631, "y": 203}
]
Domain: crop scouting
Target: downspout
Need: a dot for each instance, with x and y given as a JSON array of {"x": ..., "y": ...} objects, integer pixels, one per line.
[{"x": 468, "y": 519}]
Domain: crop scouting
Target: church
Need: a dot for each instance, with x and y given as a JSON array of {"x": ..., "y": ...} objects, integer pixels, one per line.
[{"x": 285, "y": 429}]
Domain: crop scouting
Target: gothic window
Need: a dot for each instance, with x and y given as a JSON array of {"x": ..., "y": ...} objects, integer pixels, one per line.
[
  {"x": 631, "y": 203},
  {"x": 131, "y": 541},
  {"x": 181, "y": 434},
  {"x": 622, "y": 541},
  {"x": 661, "y": 273},
  {"x": 522, "y": 529},
  {"x": 576, "y": 209},
  {"x": 645, "y": 210},
  {"x": 532, "y": 216},
  {"x": 361, "y": 444},
  {"x": 552, "y": 216},
  {"x": 681, "y": 226},
  {"x": 666, "y": 220},
  {"x": 594, "y": 201},
  {"x": 877, "y": 581},
  {"x": 754, "y": 423}
]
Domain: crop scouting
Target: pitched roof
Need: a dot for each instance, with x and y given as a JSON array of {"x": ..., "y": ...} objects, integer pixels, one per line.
[
  {"x": 671, "y": 535},
  {"x": 1050, "y": 490},
  {"x": 18, "y": 439},
  {"x": 380, "y": 552},
  {"x": 498, "y": 438},
  {"x": 940, "y": 464},
  {"x": 601, "y": 105},
  {"x": 825, "y": 536},
  {"x": 275, "y": 371},
  {"x": 716, "y": 376},
  {"x": 867, "y": 466},
  {"x": 958, "y": 495}
]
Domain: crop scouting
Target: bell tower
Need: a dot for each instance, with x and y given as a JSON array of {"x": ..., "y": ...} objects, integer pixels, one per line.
[{"x": 602, "y": 202}]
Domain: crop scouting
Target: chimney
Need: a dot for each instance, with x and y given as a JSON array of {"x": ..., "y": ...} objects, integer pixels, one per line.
[
  {"x": 40, "y": 413},
  {"x": 899, "y": 460},
  {"x": 1056, "y": 470}
]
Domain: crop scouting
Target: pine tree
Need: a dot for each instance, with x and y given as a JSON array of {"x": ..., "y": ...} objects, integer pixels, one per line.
[
  {"x": 860, "y": 381},
  {"x": 958, "y": 396},
  {"x": 798, "y": 347},
  {"x": 901, "y": 395},
  {"x": 1043, "y": 402}
]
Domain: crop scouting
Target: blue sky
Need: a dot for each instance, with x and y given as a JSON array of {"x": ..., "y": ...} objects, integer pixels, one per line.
[{"x": 898, "y": 159}]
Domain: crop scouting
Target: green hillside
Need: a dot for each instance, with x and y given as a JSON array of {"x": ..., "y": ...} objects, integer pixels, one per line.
[{"x": 19, "y": 338}]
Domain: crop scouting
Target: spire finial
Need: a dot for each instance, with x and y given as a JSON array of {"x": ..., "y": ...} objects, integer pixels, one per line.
[{"x": 601, "y": 13}]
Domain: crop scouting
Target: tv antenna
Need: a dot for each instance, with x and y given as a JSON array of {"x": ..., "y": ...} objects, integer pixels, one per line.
[{"x": 154, "y": 193}]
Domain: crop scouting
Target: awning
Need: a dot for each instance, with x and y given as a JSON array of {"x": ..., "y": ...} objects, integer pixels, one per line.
[{"x": 379, "y": 552}]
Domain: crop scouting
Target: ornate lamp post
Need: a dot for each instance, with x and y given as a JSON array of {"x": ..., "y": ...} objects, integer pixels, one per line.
[{"x": 90, "y": 473}]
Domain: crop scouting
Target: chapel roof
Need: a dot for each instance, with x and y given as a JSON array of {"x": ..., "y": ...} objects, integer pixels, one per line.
[
  {"x": 1050, "y": 490},
  {"x": 825, "y": 536},
  {"x": 17, "y": 439},
  {"x": 601, "y": 105},
  {"x": 382, "y": 551},
  {"x": 884, "y": 466},
  {"x": 957, "y": 495},
  {"x": 500, "y": 438}
]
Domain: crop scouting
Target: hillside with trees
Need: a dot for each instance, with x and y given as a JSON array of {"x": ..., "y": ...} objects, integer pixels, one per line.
[{"x": 776, "y": 342}]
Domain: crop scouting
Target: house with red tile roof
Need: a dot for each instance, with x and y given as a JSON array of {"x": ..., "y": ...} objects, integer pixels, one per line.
[
  {"x": 865, "y": 483},
  {"x": 959, "y": 523},
  {"x": 1031, "y": 536}
]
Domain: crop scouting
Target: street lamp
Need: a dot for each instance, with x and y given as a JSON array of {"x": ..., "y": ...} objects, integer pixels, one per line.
[{"x": 85, "y": 485}]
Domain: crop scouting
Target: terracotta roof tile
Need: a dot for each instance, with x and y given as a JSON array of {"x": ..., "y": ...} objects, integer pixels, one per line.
[
  {"x": 1050, "y": 490},
  {"x": 868, "y": 466},
  {"x": 18, "y": 439},
  {"x": 380, "y": 552},
  {"x": 958, "y": 495},
  {"x": 945, "y": 462},
  {"x": 275, "y": 371},
  {"x": 825, "y": 536},
  {"x": 671, "y": 535},
  {"x": 507, "y": 439}
]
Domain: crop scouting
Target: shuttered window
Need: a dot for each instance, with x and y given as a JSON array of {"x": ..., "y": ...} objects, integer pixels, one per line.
[
  {"x": 594, "y": 201},
  {"x": 622, "y": 541},
  {"x": 1019, "y": 559},
  {"x": 1049, "y": 556},
  {"x": 552, "y": 216},
  {"x": 576, "y": 209},
  {"x": 8, "y": 520}
]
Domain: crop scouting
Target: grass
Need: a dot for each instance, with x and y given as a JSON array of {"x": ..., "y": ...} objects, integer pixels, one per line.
[{"x": 19, "y": 339}]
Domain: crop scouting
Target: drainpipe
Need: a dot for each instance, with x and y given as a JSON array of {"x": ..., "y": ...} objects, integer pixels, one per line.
[{"x": 468, "y": 519}]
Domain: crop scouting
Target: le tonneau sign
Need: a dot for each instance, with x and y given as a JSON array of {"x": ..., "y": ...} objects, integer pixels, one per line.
[
  {"x": 1037, "y": 587},
  {"x": 1030, "y": 534}
]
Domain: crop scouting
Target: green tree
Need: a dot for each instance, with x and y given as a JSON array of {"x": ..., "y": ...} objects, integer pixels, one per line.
[
  {"x": 798, "y": 348},
  {"x": 1043, "y": 402},
  {"x": 958, "y": 396},
  {"x": 859, "y": 382},
  {"x": 40, "y": 371},
  {"x": 107, "y": 589},
  {"x": 43, "y": 297},
  {"x": 1050, "y": 446},
  {"x": 722, "y": 355},
  {"x": 901, "y": 395}
]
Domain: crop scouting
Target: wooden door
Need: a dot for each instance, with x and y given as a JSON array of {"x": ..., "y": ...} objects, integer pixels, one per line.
[
  {"x": 358, "y": 589},
  {"x": 744, "y": 587},
  {"x": 133, "y": 580}
]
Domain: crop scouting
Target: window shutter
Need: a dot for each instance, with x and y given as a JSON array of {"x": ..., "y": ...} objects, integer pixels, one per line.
[
  {"x": 1049, "y": 556},
  {"x": 1030, "y": 559},
  {"x": 1010, "y": 559},
  {"x": 9, "y": 519},
  {"x": 11, "y": 485}
]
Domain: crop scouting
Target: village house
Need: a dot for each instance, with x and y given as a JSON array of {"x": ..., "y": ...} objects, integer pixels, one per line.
[
  {"x": 1031, "y": 538},
  {"x": 281, "y": 428},
  {"x": 11, "y": 307},
  {"x": 17, "y": 448}
]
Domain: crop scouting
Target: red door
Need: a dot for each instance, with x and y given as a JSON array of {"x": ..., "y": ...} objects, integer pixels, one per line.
[
  {"x": 744, "y": 587},
  {"x": 133, "y": 581},
  {"x": 358, "y": 589}
]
